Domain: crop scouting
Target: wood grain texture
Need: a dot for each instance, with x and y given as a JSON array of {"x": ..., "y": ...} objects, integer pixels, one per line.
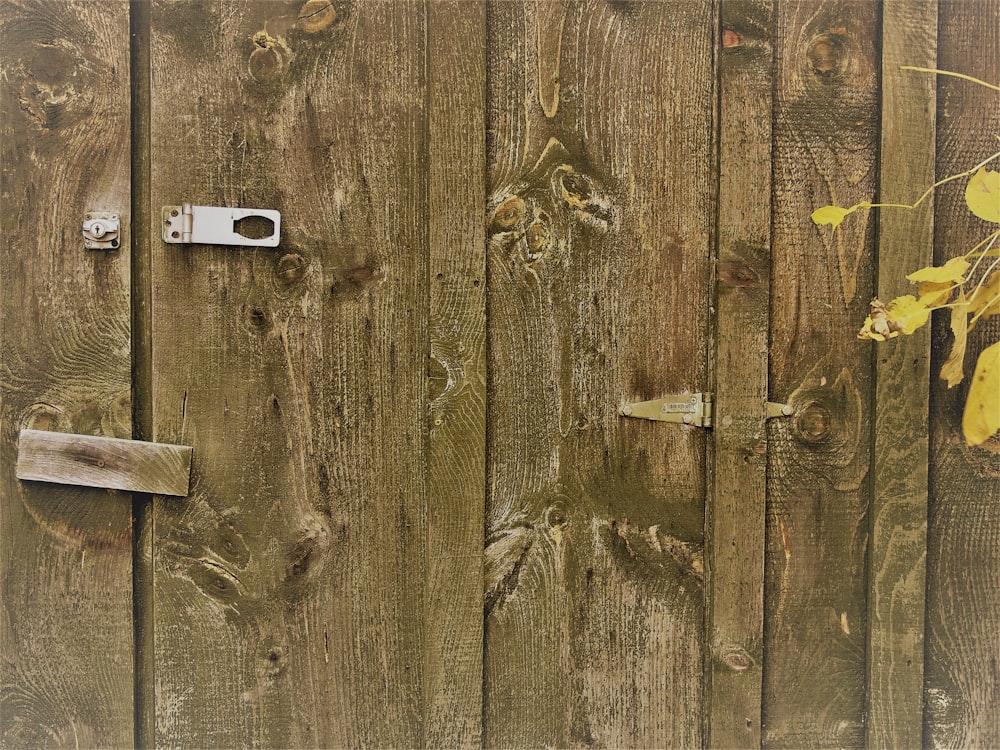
[
  {"x": 112, "y": 463},
  {"x": 456, "y": 472},
  {"x": 289, "y": 587},
  {"x": 600, "y": 175},
  {"x": 898, "y": 512},
  {"x": 962, "y": 695},
  {"x": 735, "y": 524},
  {"x": 826, "y": 136},
  {"x": 65, "y": 553}
]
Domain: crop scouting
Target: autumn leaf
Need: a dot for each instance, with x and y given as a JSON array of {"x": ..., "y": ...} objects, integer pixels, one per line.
[
  {"x": 981, "y": 418},
  {"x": 903, "y": 315},
  {"x": 982, "y": 195},
  {"x": 952, "y": 369},
  {"x": 986, "y": 301},
  {"x": 833, "y": 215},
  {"x": 934, "y": 294},
  {"x": 953, "y": 271}
]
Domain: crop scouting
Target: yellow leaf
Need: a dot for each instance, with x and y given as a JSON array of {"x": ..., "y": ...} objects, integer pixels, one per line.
[
  {"x": 934, "y": 294},
  {"x": 951, "y": 370},
  {"x": 981, "y": 418},
  {"x": 906, "y": 314},
  {"x": 903, "y": 315},
  {"x": 832, "y": 215},
  {"x": 952, "y": 271},
  {"x": 986, "y": 301},
  {"x": 982, "y": 195}
]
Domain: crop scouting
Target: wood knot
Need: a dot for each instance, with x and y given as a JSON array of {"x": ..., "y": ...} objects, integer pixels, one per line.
[
  {"x": 827, "y": 55},
  {"x": 813, "y": 423},
  {"x": 508, "y": 215},
  {"x": 268, "y": 58},
  {"x": 579, "y": 193},
  {"x": 737, "y": 659},
  {"x": 737, "y": 274},
  {"x": 538, "y": 236},
  {"x": 315, "y": 16},
  {"x": 290, "y": 268}
]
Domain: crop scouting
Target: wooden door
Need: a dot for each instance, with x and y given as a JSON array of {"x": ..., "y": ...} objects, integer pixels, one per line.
[{"x": 417, "y": 516}]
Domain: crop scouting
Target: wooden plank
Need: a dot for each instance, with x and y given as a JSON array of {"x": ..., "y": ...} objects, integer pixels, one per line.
[
  {"x": 825, "y": 135},
  {"x": 735, "y": 544},
  {"x": 601, "y": 218},
  {"x": 962, "y": 693},
  {"x": 456, "y": 473},
  {"x": 898, "y": 513},
  {"x": 112, "y": 463},
  {"x": 289, "y": 587},
  {"x": 65, "y": 567}
]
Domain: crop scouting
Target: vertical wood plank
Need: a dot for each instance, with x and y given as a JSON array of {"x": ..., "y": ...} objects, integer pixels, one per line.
[
  {"x": 962, "y": 690},
  {"x": 453, "y": 659},
  {"x": 600, "y": 157},
  {"x": 825, "y": 133},
  {"x": 65, "y": 552},
  {"x": 735, "y": 543},
  {"x": 289, "y": 585},
  {"x": 898, "y": 512}
]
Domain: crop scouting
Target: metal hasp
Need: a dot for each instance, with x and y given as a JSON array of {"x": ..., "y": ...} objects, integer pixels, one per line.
[
  {"x": 695, "y": 409},
  {"x": 215, "y": 225},
  {"x": 690, "y": 408},
  {"x": 100, "y": 231}
]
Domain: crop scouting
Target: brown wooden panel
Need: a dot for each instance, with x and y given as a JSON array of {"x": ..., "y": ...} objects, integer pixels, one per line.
[
  {"x": 898, "y": 513},
  {"x": 112, "y": 463},
  {"x": 962, "y": 690},
  {"x": 826, "y": 139},
  {"x": 65, "y": 565},
  {"x": 289, "y": 585},
  {"x": 600, "y": 173},
  {"x": 453, "y": 658},
  {"x": 735, "y": 544}
]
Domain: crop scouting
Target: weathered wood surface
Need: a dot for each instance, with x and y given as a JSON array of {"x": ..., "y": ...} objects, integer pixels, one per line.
[
  {"x": 826, "y": 138},
  {"x": 735, "y": 524},
  {"x": 289, "y": 586},
  {"x": 962, "y": 699},
  {"x": 456, "y": 471},
  {"x": 600, "y": 178},
  {"x": 898, "y": 512},
  {"x": 111, "y": 463},
  {"x": 65, "y": 553}
]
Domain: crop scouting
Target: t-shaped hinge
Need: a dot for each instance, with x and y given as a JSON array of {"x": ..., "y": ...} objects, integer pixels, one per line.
[{"x": 695, "y": 409}]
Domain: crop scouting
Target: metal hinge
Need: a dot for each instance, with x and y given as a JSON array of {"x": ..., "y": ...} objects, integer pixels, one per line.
[
  {"x": 695, "y": 409},
  {"x": 215, "y": 225}
]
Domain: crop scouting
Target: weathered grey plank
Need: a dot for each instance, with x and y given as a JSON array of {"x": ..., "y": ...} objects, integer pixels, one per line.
[
  {"x": 735, "y": 544},
  {"x": 600, "y": 123},
  {"x": 898, "y": 512},
  {"x": 962, "y": 691},
  {"x": 112, "y": 463},
  {"x": 826, "y": 136},
  {"x": 289, "y": 587},
  {"x": 456, "y": 472},
  {"x": 65, "y": 553}
]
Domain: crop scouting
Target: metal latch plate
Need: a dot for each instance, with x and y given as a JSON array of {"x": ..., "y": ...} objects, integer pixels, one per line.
[
  {"x": 691, "y": 408},
  {"x": 215, "y": 225},
  {"x": 100, "y": 231}
]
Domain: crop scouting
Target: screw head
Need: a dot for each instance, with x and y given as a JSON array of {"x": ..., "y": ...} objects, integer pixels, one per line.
[{"x": 688, "y": 418}]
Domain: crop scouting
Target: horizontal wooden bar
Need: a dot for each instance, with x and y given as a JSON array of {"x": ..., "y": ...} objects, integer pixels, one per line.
[{"x": 133, "y": 465}]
